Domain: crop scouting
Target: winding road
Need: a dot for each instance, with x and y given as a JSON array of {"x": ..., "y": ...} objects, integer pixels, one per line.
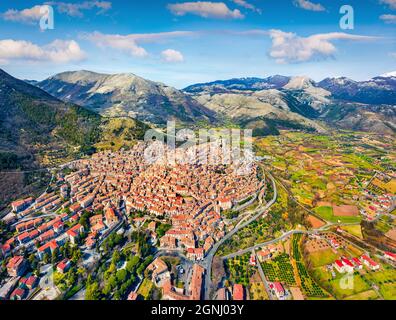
[{"x": 207, "y": 262}]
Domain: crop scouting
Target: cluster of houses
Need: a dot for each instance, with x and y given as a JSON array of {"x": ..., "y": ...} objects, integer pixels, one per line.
[
  {"x": 46, "y": 203},
  {"x": 20, "y": 285},
  {"x": 24, "y": 286},
  {"x": 191, "y": 196},
  {"x": 346, "y": 265},
  {"x": 23, "y": 282},
  {"x": 377, "y": 204},
  {"x": 238, "y": 292},
  {"x": 162, "y": 278},
  {"x": 48, "y": 235}
]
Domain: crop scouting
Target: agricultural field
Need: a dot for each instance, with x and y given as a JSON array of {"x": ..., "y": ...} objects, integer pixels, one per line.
[
  {"x": 283, "y": 216},
  {"x": 358, "y": 285},
  {"x": 308, "y": 285},
  {"x": 322, "y": 258},
  {"x": 239, "y": 270},
  {"x": 257, "y": 289},
  {"x": 341, "y": 289},
  {"x": 366, "y": 295},
  {"x": 333, "y": 169},
  {"x": 354, "y": 230},
  {"x": 327, "y": 214},
  {"x": 279, "y": 269}
]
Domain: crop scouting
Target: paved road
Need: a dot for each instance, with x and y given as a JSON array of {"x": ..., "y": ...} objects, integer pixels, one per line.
[
  {"x": 263, "y": 244},
  {"x": 263, "y": 278},
  {"x": 285, "y": 236},
  {"x": 207, "y": 262}
]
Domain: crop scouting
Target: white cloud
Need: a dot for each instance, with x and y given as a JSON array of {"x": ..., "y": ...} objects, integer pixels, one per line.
[
  {"x": 125, "y": 43},
  {"x": 76, "y": 9},
  {"x": 247, "y": 5},
  {"x": 33, "y": 15},
  {"x": 308, "y": 5},
  {"x": 205, "y": 9},
  {"x": 393, "y": 54},
  {"x": 29, "y": 16},
  {"x": 131, "y": 44},
  {"x": 171, "y": 55},
  {"x": 58, "y": 51},
  {"x": 388, "y": 18},
  {"x": 390, "y": 3},
  {"x": 287, "y": 47}
]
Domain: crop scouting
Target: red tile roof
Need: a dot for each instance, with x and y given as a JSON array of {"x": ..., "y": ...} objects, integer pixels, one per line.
[{"x": 238, "y": 292}]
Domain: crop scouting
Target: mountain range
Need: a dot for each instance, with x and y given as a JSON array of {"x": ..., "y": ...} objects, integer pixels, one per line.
[
  {"x": 263, "y": 104},
  {"x": 301, "y": 102}
]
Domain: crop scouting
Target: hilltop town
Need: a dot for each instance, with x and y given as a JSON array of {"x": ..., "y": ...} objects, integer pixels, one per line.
[{"x": 118, "y": 226}]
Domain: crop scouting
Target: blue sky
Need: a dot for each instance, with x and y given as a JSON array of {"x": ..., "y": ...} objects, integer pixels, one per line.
[{"x": 184, "y": 42}]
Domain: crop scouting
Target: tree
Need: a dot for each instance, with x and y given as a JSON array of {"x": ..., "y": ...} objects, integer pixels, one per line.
[
  {"x": 116, "y": 257},
  {"x": 132, "y": 264},
  {"x": 110, "y": 271},
  {"x": 112, "y": 281},
  {"x": 92, "y": 289},
  {"x": 32, "y": 261},
  {"x": 122, "y": 275},
  {"x": 55, "y": 254},
  {"x": 76, "y": 255},
  {"x": 46, "y": 258}
]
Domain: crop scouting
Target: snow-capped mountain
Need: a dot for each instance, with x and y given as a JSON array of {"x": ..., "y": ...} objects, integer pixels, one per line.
[{"x": 389, "y": 75}]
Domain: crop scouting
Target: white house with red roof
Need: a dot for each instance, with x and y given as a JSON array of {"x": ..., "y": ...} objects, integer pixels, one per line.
[
  {"x": 74, "y": 233},
  {"x": 390, "y": 256},
  {"x": 17, "y": 266},
  {"x": 370, "y": 262},
  {"x": 279, "y": 290},
  {"x": 5, "y": 250},
  {"x": 195, "y": 254},
  {"x": 358, "y": 265},
  {"x": 348, "y": 266},
  {"x": 47, "y": 248},
  {"x": 63, "y": 266}
]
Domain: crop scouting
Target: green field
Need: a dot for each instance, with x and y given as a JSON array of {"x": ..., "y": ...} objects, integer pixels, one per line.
[
  {"x": 354, "y": 230},
  {"x": 388, "y": 291},
  {"x": 366, "y": 295},
  {"x": 327, "y": 214},
  {"x": 321, "y": 258},
  {"x": 341, "y": 289}
]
